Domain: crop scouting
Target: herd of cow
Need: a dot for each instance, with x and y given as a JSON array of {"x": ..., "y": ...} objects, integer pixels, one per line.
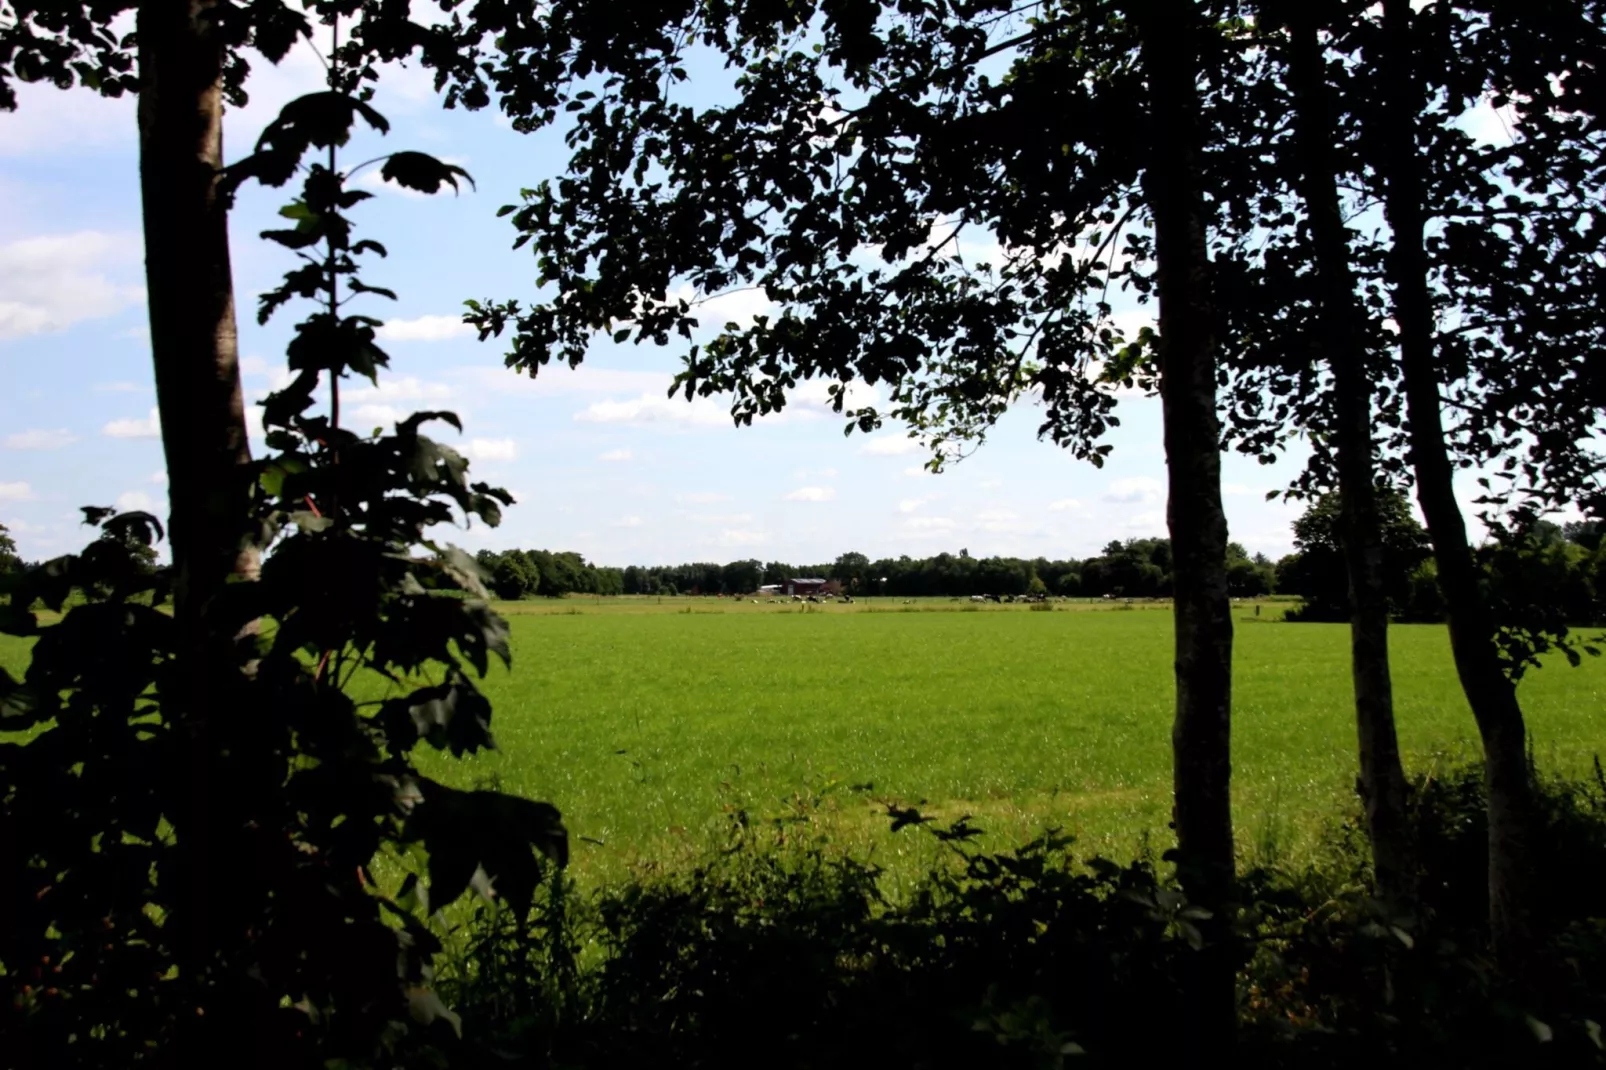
[{"x": 1010, "y": 598}]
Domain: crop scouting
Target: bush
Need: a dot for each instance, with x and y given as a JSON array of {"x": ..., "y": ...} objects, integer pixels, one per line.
[{"x": 781, "y": 952}]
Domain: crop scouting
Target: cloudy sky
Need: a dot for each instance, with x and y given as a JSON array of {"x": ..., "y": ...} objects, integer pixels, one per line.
[{"x": 599, "y": 459}]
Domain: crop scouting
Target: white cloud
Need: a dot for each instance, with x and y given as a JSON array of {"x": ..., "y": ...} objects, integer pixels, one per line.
[
  {"x": 734, "y": 306},
  {"x": 742, "y": 537},
  {"x": 490, "y": 449},
  {"x": 365, "y": 416},
  {"x": 1489, "y": 125},
  {"x": 928, "y": 524},
  {"x": 1241, "y": 490},
  {"x": 654, "y": 410},
  {"x": 909, "y": 505},
  {"x": 159, "y": 478},
  {"x": 811, "y": 399},
  {"x": 424, "y": 329},
  {"x": 814, "y": 473},
  {"x": 53, "y": 281},
  {"x": 812, "y": 494},
  {"x": 253, "y": 366},
  {"x": 118, "y": 388},
  {"x": 1151, "y": 523},
  {"x": 1135, "y": 489},
  {"x": 15, "y": 492},
  {"x": 702, "y": 497},
  {"x": 614, "y": 456},
  {"x": 135, "y": 501},
  {"x": 728, "y": 518},
  {"x": 585, "y": 379},
  {"x": 134, "y": 427},
  {"x": 990, "y": 484},
  {"x": 1063, "y": 504},
  {"x": 392, "y": 401},
  {"x": 629, "y": 522},
  {"x": 41, "y": 439},
  {"x": 890, "y": 446},
  {"x": 915, "y": 471},
  {"x": 43, "y": 112},
  {"x": 998, "y": 520}
]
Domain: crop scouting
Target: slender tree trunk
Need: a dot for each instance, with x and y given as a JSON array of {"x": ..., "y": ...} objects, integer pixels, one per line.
[
  {"x": 194, "y": 349},
  {"x": 1201, "y": 733},
  {"x": 1489, "y": 691},
  {"x": 1383, "y": 786}
]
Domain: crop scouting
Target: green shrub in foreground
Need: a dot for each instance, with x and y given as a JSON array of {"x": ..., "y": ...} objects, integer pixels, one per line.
[{"x": 782, "y": 953}]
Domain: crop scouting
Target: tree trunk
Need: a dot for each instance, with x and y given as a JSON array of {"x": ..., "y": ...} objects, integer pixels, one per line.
[
  {"x": 1201, "y": 733},
  {"x": 1383, "y": 786},
  {"x": 195, "y": 352},
  {"x": 1489, "y": 691}
]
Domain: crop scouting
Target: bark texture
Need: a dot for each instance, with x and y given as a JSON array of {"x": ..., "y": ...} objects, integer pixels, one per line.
[
  {"x": 194, "y": 347},
  {"x": 1383, "y": 787},
  {"x": 194, "y": 344},
  {"x": 1489, "y": 691},
  {"x": 1201, "y": 733}
]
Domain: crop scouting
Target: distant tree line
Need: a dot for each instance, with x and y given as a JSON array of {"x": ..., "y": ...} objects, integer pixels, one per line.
[
  {"x": 1136, "y": 568},
  {"x": 1559, "y": 568}
]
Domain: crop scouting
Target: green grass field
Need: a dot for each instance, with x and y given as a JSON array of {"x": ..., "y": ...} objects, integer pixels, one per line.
[{"x": 649, "y": 724}]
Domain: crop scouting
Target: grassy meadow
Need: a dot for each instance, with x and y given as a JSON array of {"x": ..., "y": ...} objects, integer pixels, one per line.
[
  {"x": 646, "y": 723},
  {"x": 650, "y": 724}
]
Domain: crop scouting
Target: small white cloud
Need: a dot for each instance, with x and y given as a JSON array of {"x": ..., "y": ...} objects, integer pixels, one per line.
[
  {"x": 54, "y": 281},
  {"x": 998, "y": 520},
  {"x": 614, "y": 456},
  {"x": 990, "y": 484},
  {"x": 812, "y": 494},
  {"x": 1063, "y": 504},
  {"x": 702, "y": 497},
  {"x": 742, "y": 537},
  {"x": 135, "y": 501},
  {"x": 814, "y": 473},
  {"x": 916, "y": 471},
  {"x": 1240, "y": 489},
  {"x": 1135, "y": 489},
  {"x": 727, "y": 518},
  {"x": 133, "y": 427},
  {"x": 1151, "y": 523},
  {"x": 909, "y": 505},
  {"x": 253, "y": 366},
  {"x": 811, "y": 399},
  {"x": 159, "y": 478},
  {"x": 928, "y": 523},
  {"x": 41, "y": 439},
  {"x": 890, "y": 446},
  {"x": 738, "y": 306},
  {"x": 490, "y": 449},
  {"x": 564, "y": 380},
  {"x": 629, "y": 522},
  {"x": 424, "y": 329},
  {"x": 118, "y": 388},
  {"x": 15, "y": 492},
  {"x": 365, "y": 416},
  {"x": 387, "y": 403},
  {"x": 653, "y": 409}
]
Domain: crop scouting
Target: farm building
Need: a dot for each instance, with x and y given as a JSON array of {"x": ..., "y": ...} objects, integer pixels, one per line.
[{"x": 805, "y": 586}]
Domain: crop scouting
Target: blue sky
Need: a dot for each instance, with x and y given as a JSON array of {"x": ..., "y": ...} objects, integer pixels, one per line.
[{"x": 600, "y": 461}]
